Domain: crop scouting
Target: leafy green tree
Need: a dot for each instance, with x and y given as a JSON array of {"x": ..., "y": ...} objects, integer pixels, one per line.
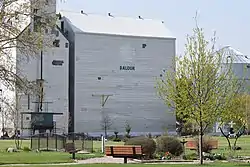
[
  {"x": 200, "y": 87},
  {"x": 235, "y": 114}
]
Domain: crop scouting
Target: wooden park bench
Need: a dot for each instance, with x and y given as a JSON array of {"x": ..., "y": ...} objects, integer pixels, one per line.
[
  {"x": 192, "y": 144},
  {"x": 126, "y": 151}
]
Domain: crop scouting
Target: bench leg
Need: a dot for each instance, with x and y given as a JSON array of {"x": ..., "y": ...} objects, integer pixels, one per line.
[
  {"x": 73, "y": 155},
  {"x": 125, "y": 160}
]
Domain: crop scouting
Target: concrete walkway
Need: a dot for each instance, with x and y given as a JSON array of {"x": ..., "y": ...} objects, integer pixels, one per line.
[{"x": 103, "y": 160}]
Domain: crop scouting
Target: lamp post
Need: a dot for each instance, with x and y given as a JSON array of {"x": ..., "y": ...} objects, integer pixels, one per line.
[{"x": 183, "y": 142}]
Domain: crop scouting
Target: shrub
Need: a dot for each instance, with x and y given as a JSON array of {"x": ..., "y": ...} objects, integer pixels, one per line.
[
  {"x": 116, "y": 138},
  {"x": 190, "y": 156},
  {"x": 148, "y": 145},
  {"x": 27, "y": 149},
  {"x": 207, "y": 147},
  {"x": 169, "y": 144},
  {"x": 213, "y": 157}
]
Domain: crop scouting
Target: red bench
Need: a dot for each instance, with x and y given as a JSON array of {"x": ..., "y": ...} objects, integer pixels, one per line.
[
  {"x": 126, "y": 151},
  {"x": 192, "y": 144}
]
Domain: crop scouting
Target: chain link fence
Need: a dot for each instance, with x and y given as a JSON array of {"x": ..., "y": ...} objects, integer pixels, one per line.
[{"x": 56, "y": 142}]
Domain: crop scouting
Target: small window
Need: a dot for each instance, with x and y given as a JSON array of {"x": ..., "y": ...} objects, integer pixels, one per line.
[
  {"x": 99, "y": 78},
  {"x": 46, "y": 31},
  {"x": 35, "y": 11},
  {"x": 27, "y": 118},
  {"x": 144, "y": 45},
  {"x": 57, "y": 33},
  {"x": 66, "y": 45},
  {"x": 160, "y": 75},
  {"x": 56, "y": 43},
  {"x": 248, "y": 66},
  {"x": 57, "y": 62}
]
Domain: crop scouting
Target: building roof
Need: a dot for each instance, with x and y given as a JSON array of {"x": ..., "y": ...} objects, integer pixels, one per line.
[
  {"x": 113, "y": 25},
  {"x": 235, "y": 55}
]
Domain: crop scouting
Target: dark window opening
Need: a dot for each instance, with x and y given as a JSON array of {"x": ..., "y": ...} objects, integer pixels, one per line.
[
  {"x": 160, "y": 75},
  {"x": 35, "y": 11},
  {"x": 46, "y": 31},
  {"x": 27, "y": 118},
  {"x": 66, "y": 45},
  {"x": 248, "y": 66},
  {"x": 28, "y": 101},
  {"x": 62, "y": 26},
  {"x": 144, "y": 45},
  {"x": 99, "y": 78},
  {"x": 57, "y": 62},
  {"x": 56, "y": 43}
]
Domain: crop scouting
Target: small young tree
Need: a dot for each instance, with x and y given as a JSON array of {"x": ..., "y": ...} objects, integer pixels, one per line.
[
  {"x": 235, "y": 115},
  {"x": 106, "y": 123},
  {"x": 127, "y": 130},
  {"x": 198, "y": 89}
]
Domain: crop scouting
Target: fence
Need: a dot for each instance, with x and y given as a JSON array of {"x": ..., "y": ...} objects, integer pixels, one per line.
[
  {"x": 47, "y": 141},
  {"x": 81, "y": 141}
]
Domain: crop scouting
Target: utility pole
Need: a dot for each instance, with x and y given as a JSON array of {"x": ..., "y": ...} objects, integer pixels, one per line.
[
  {"x": 2, "y": 111},
  {"x": 104, "y": 99}
]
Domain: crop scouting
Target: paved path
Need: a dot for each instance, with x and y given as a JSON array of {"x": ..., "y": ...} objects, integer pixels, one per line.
[
  {"x": 87, "y": 161},
  {"x": 103, "y": 160}
]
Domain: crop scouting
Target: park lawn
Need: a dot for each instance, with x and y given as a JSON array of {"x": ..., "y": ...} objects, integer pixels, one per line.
[
  {"x": 41, "y": 158},
  {"x": 59, "y": 157},
  {"x": 4, "y": 144},
  {"x": 243, "y": 142},
  {"x": 151, "y": 165}
]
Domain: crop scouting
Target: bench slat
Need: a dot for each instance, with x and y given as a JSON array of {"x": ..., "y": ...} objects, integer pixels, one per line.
[
  {"x": 123, "y": 150},
  {"x": 129, "y": 150}
]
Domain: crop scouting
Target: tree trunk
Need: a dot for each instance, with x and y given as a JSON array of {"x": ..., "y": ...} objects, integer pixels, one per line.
[
  {"x": 227, "y": 137},
  {"x": 201, "y": 146},
  {"x": 229, "y": 143},
  {"x": 200, "y": 140},
  {"x": 235, "y": 142}
]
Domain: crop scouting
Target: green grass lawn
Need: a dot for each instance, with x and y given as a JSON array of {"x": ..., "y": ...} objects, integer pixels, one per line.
[
  {"x": 41, "y": 158},
  {"x": 152, "y": 165},
  {"x": 4, "y": 144},
  {"x": 243, "y": 142},
  {"x": 61, "y": 157}
]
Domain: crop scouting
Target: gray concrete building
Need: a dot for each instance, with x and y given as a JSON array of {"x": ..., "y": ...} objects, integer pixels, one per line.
[
  {"x": 50, "y": 65},
  {"x": 116, "y": 60}
]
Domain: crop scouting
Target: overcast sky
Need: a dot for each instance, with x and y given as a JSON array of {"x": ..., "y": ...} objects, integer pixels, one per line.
[{"x": 229, "y": 18}]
